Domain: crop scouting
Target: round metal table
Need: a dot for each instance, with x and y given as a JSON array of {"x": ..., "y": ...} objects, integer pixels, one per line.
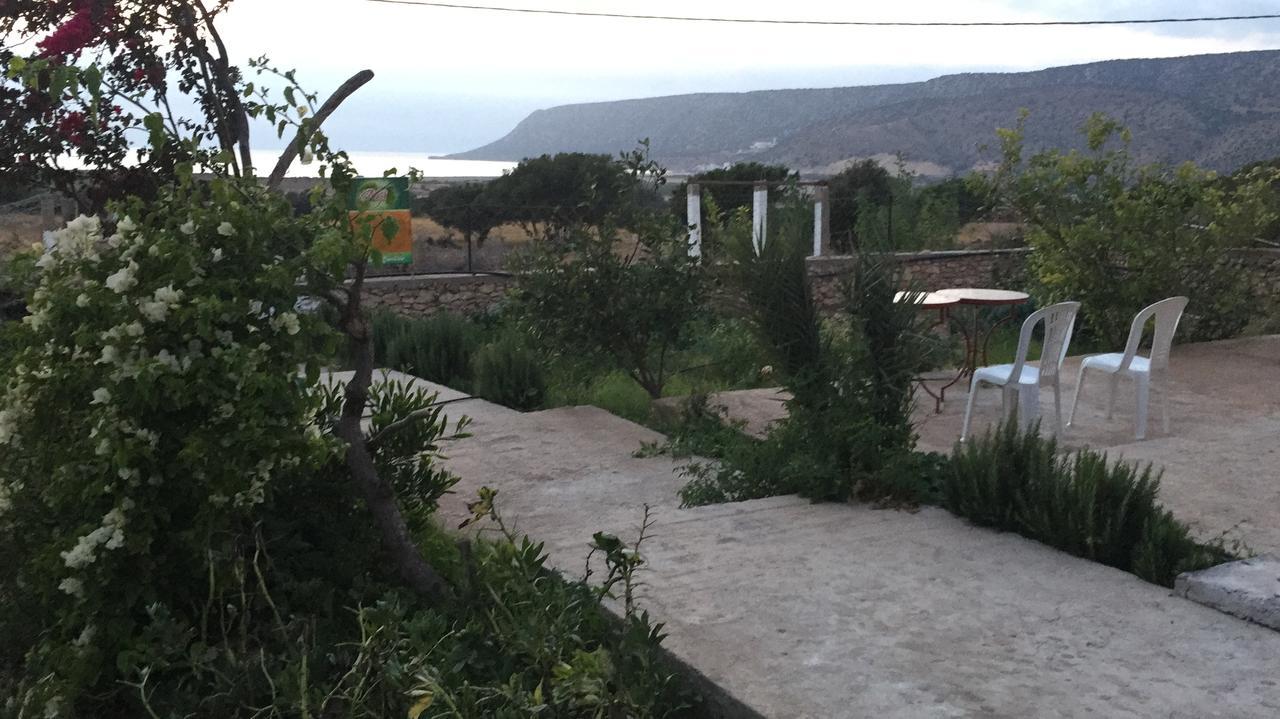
[{"x": 975, "y": 338}]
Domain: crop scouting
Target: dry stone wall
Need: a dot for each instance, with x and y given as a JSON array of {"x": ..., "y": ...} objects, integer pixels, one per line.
[
  {"x": 1000, "y": 269},
  {"x": 1263, "y": 268},
  {"x": 429, "y": 294}
]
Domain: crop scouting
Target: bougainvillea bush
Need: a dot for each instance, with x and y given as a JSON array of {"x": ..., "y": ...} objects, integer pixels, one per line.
[{"x": 193, "y": 523}]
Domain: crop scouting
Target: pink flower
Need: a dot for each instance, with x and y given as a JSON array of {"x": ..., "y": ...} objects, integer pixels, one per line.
[{"x": 80, "y": 30}]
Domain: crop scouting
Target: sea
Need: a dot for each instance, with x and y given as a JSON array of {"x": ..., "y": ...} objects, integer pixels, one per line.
[{"x": 373, "y": 164}]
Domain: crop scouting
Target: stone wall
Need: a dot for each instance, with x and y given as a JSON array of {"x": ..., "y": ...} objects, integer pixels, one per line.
[
  {"x": 1263, "y": 266},
  {"x": 998, "y": 269},
  {"x": 429, "y": 294}
]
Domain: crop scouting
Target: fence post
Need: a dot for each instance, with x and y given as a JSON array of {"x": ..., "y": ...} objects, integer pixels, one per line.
[
  {"x": 821, "y": 219},
  {"x": 693, "y": 212},
  {"x": 759, "y": 215}
]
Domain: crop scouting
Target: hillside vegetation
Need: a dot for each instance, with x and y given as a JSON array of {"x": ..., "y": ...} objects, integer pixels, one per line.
[{"x": 1217, "y": 110}]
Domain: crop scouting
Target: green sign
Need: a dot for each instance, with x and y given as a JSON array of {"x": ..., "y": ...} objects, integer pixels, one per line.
[{"x": 377, "y": 194}]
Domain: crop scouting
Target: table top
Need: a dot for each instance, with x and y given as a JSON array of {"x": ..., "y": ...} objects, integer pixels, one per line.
[
  {"x": 983, "y": 296},
  {"x": 931, "y": 300}
]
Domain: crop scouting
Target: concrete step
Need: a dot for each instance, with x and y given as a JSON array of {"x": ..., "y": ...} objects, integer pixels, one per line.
[{"x": 1249, "y": 589}]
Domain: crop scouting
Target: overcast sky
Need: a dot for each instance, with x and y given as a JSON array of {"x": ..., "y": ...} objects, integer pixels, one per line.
[{"x": 451, "y": 79}]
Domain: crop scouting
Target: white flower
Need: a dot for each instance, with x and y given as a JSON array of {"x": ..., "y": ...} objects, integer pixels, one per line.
[
  {"x": 109, "y": 535},
  {"x": 188, "y": 228},
  {"x": 226, "y": 230},
  {"x": 255, "y": 307},
  {"x": 154, "y": 311},
  {"x": 110, "y": 355},
  {"x": 72, "y": 586},
  {"x": 168, "y": 295},
  {"x": 123, "y": 279},
  {"x": 134, "y": 329},
  {"x": 167, "y": 359},
  {"x": 126, "y": 225},
  {"x": 47, "y": 260},
  {"x": 287, "y": 321},
  {"x": 82, "y": 300},
  {"x": 101, "y": 395},
  {"x": 216, "y": 255}
]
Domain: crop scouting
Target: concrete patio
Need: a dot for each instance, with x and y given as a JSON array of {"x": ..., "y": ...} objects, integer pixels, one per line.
[
  {"x": 1220, "y": 458},
  {"x": 804, "y": 610}
]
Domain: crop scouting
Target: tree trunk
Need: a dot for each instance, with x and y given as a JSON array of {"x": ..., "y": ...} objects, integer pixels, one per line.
[{"x": 378, "y": 494}]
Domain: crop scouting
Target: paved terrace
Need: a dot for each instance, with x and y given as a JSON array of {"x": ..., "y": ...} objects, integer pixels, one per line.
[{"x": 804, "y": 610}]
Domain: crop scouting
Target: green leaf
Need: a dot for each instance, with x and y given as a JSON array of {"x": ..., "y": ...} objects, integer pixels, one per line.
[
  {"x": 93, "y": 80},
  {"x": 155, "y": 130},
  {"x": 390, "y": 227}
]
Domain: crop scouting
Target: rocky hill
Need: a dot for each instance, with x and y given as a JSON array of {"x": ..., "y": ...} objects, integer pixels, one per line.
[{"x": 1221, "y": 111}]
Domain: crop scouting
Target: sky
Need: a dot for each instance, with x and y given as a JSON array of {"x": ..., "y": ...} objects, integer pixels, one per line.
[{"x": 449, "y": 80}]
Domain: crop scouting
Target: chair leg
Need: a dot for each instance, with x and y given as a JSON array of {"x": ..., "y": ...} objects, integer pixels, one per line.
[
  {"x": 1111, "y": 401},
  {"x": 1028, "y": 405},
  {"x": 968, "y": 409},
  {"x": 1071, "y": 418},
  {"x": 1143, "y": 387},
  {"x": 1164, "y": 402},
  {"x": 1057, "y": 405}
]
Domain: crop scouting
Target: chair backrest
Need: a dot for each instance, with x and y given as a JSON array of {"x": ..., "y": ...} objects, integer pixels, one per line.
[
  {"x": 1167, "y": 313},
  {"x": 1059, "y": 321}
]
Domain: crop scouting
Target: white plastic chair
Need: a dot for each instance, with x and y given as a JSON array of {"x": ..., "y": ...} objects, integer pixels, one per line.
[
  {"x": 1023, "y": 379},
  {"x": 1144, "y": 371}
]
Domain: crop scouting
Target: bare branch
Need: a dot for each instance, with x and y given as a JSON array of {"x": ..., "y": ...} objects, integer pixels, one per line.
[{"x": 355, "y": 82}]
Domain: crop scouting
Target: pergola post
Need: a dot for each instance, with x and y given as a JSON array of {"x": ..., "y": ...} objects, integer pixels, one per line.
[
  {"x": 759, "y": 215},
  {"x": 693, "y": 210},
  {"x": 821, "y": 219}
]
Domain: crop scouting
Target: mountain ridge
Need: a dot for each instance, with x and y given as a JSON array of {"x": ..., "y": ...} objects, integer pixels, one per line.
[{"x": 1217, "y": 110}]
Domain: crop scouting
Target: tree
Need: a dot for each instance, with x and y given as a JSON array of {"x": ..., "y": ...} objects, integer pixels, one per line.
[
  {"x": 546, "y": 195},
  {"x": 627, "y": 298},
  {"x": 1118, "y": 236},
  {"x": 462, "y": 208},
  {"x": 861, "y": 185}
]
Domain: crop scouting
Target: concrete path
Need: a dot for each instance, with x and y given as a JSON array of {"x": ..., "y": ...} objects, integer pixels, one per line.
[{"x": 803, "y": 610}]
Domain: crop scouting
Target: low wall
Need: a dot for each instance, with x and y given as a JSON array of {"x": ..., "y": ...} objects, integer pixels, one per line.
[
  {"x": 428, "y": 294},
  {"x": 999, "y": 269}
]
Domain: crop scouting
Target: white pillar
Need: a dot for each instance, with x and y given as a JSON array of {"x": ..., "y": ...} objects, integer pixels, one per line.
[
  {"x": 821, "y": 218},
  {"x": 693, "y": 208},
  {"x": 759, "y": 215}
]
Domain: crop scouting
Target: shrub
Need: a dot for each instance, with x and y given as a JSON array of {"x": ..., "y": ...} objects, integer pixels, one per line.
[
  {"x": 1082, "y": 504},
  {"x": 626, "y": 302},
  {"x": 511, "y": 374},
  {"x": 856, "y": 386},
  {"x": 1117, "y": 236},
  {"x": 438, "y": 348}
]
